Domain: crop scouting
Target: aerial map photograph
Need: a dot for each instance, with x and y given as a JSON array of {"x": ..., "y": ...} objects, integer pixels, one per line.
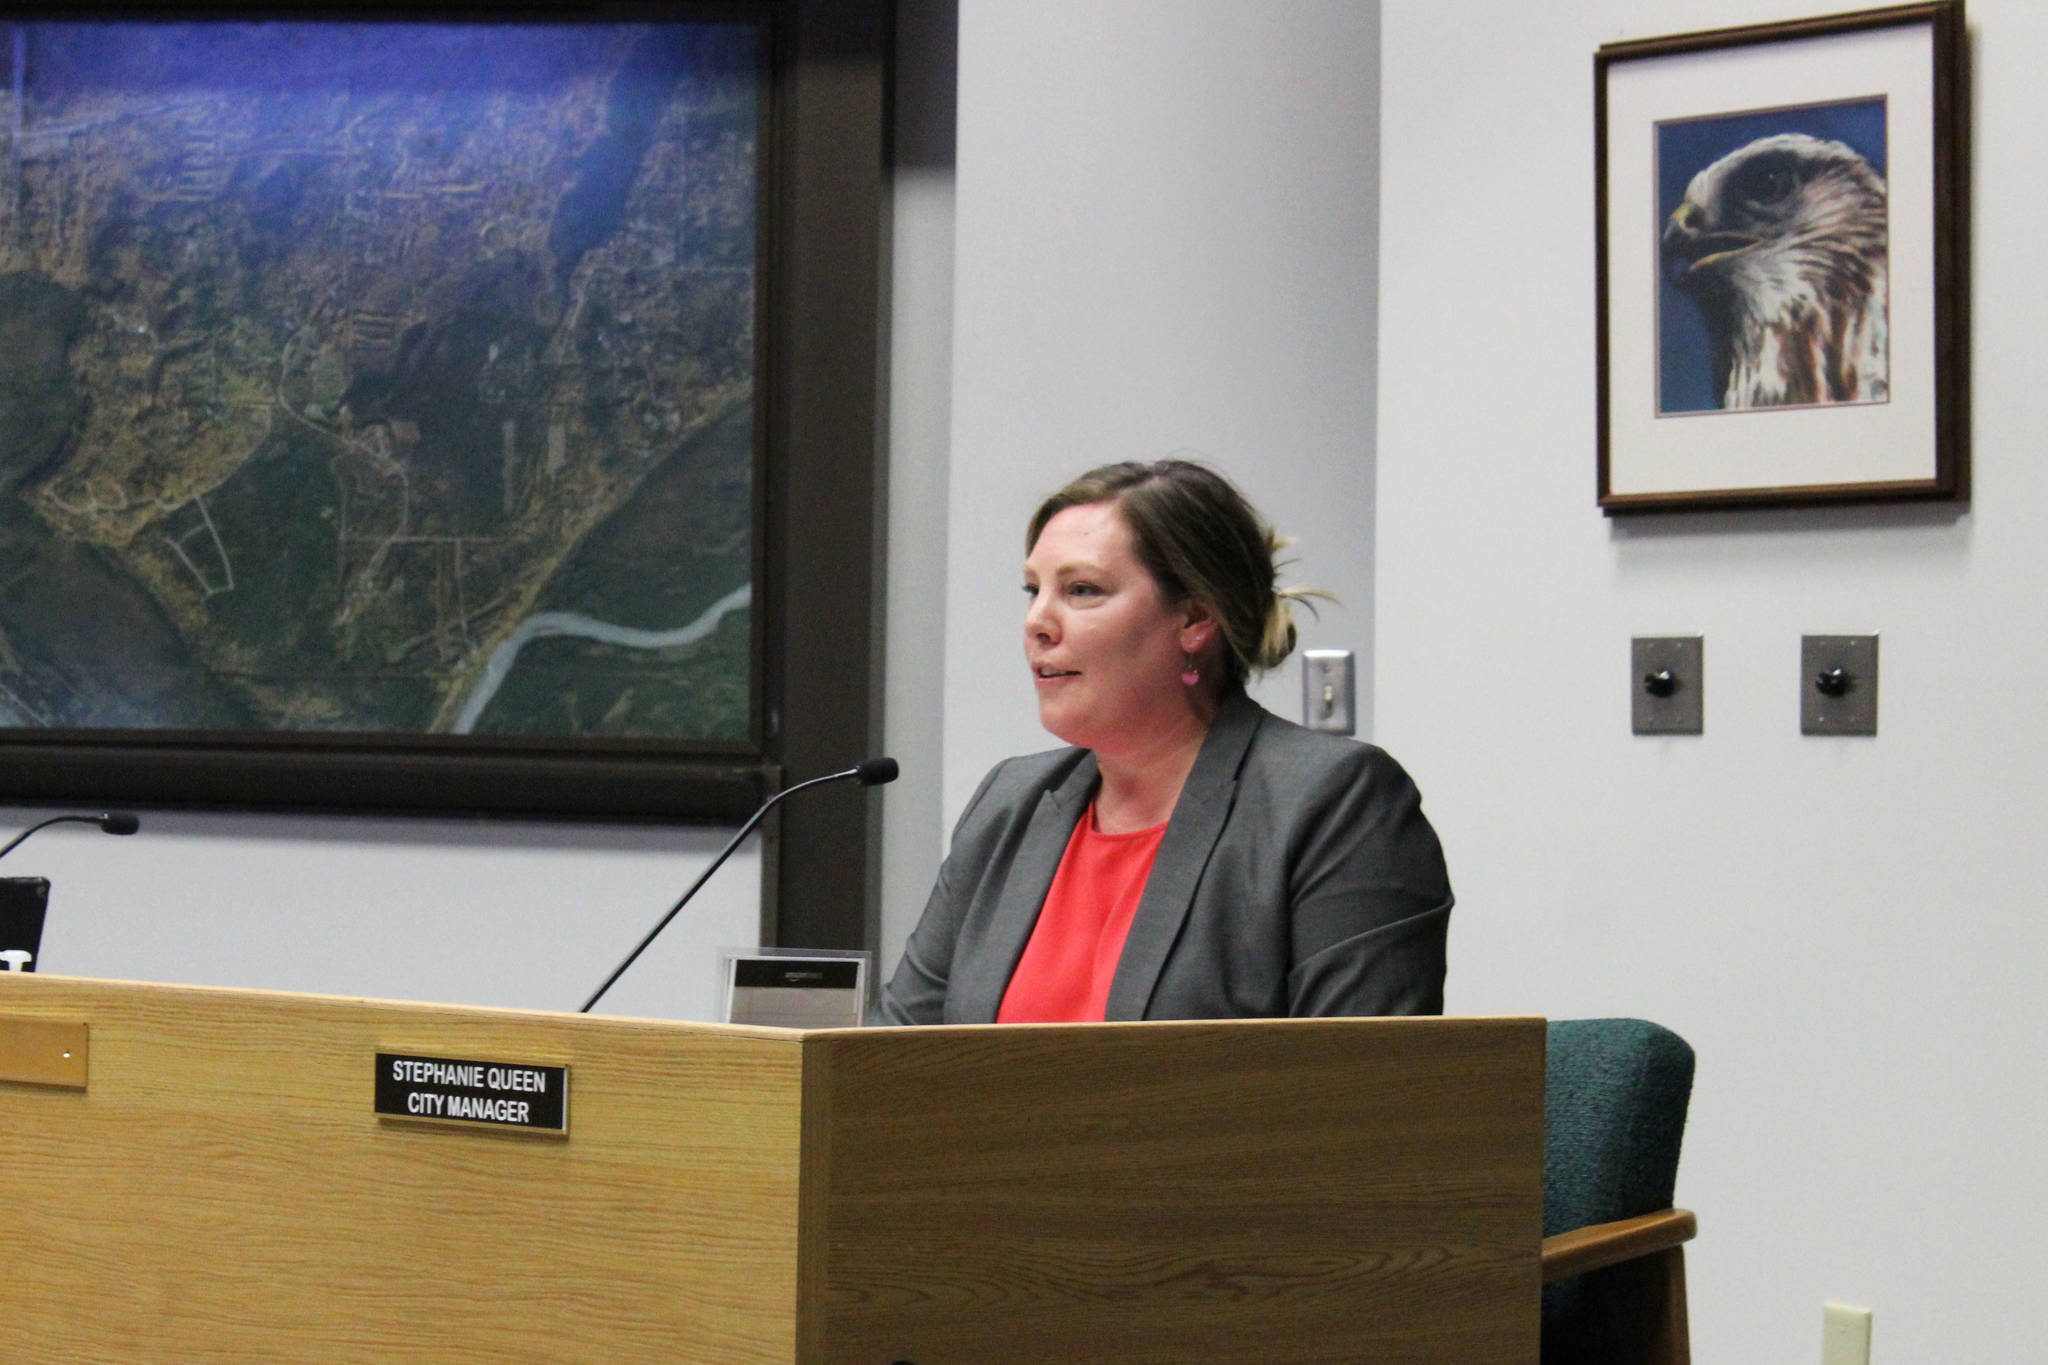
[{"x": 392, "y": 378}]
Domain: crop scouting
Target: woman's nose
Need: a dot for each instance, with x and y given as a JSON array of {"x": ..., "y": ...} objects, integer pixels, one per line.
[{"x": 1038, "y": 622}]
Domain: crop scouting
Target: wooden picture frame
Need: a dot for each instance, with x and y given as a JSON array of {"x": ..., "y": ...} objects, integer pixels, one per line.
[
  {"x": 255, "y": 186},
  {"x": 1781, "y": 216},
  {"x": 813, "y": 703}
]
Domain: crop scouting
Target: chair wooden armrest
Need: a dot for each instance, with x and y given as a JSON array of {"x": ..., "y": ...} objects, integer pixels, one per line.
[{"x": 1604, "y": 1244}]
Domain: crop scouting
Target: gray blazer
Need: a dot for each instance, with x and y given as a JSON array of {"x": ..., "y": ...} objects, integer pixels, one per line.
[{"x": 1296, "y": 877}]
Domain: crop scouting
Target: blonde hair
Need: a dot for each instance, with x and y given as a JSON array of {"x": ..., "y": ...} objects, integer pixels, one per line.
[{"x": 1199, "y": 538}]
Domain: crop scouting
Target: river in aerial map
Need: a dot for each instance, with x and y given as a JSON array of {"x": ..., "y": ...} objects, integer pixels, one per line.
[{"x": 379, "y": 378}]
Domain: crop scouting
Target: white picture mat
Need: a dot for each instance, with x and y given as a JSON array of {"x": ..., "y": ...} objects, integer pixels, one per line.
[{"x": 1781, "y": 447}]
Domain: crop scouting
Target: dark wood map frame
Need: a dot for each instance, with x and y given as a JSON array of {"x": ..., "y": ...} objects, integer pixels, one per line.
[{"x": 817, "y": 490}]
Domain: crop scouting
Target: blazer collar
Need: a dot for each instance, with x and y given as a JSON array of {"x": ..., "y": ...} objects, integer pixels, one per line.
[
  {"x": 977, "y": 999},
  {"x": 1191, "y": 835}
]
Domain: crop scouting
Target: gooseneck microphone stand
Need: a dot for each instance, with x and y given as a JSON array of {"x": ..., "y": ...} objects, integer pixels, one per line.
[
  {"x": 872, "y": 772},
  {"x": 110, "y": 822}
]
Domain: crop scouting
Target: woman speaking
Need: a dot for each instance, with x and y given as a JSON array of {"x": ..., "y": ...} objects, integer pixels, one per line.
[{"x": 1190, "y": 856}]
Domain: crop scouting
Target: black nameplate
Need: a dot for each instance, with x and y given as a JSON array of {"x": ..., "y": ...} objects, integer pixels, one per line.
[
  {"x": 800, "y": 973},
  {"x": 456, "y": 1090}
]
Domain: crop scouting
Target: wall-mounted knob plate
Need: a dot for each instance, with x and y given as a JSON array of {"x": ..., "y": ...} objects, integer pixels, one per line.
[
  {"x": 1838, "y": 684},
  {"x": 1667, "y": 696}
]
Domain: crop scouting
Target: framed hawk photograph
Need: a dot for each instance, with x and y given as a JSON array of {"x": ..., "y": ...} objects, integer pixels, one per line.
[{"x": 1781, "y": 214}]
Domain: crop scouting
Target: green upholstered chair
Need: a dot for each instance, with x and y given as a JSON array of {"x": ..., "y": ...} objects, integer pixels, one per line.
[{"x": 1613, "y": 1247}]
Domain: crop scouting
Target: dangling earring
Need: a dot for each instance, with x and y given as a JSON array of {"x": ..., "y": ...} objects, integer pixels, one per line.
[{"x": 1190, "y": 675}]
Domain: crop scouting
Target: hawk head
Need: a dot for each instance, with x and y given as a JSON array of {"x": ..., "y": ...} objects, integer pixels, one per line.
[{"x": 1783, "y": 244}]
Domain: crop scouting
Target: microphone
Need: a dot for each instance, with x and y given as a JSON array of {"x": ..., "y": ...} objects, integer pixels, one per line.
[
  {"x": 869, "y": 772},
  {"x": 120, "y": 822}
]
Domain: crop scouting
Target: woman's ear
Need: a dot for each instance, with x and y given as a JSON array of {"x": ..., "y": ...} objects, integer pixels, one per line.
[{"x": 1198, "y": 627}]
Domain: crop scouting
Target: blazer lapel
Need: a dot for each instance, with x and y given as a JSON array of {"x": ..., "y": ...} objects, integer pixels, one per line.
[
  {"x": 977, "y": 995},
  {"x": 1198, "y": 818}
]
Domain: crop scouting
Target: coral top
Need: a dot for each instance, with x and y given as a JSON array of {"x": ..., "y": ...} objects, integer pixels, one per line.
[{"x": 1067, "y": 966}]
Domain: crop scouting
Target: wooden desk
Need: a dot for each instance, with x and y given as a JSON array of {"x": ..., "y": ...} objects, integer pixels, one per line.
[{"x": 1302, "y": 1191}]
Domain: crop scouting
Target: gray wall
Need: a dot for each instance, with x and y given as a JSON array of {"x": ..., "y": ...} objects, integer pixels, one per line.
[
  {"x": 521, "y": 915},
  {"x": 1847, "y": 930},
  {"x": 1160, "y": 239},
  {"x": 920, "y": 446},
  {"x": 1165, "y": 243}
]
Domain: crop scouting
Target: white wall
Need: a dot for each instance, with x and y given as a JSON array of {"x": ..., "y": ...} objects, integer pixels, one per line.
[
  {"x": 516, "y": 914},
  {"x": 1164, "y": 242},
  {"x": 1846, "y": 930},
  {"x": 920, "y": 392}
]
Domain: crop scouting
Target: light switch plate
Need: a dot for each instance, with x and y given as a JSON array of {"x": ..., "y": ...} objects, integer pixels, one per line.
[
  {"x": 1845, "y": 1335},
  {"x": 1329, "y": 691},
  {"x": 1682, "y": 710},
  {"x": 1854, "y": 712}
]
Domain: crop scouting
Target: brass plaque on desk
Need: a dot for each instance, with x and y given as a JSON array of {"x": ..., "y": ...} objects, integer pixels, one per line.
[{"x": 43, "y": 1052}]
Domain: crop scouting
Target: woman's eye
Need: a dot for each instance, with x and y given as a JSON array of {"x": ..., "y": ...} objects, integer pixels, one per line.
[{"x": 1082, "y": 589}]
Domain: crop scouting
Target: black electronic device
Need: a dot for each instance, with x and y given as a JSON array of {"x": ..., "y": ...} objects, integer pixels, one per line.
[{"x": 23, "y": 902}]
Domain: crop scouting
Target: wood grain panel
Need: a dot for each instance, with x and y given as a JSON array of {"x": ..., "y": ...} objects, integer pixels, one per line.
[
  {"x": 1604, "y": 1244},
  {"x": 1306, "y": 1191},
  {"x": 224, "y": 1192}
]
